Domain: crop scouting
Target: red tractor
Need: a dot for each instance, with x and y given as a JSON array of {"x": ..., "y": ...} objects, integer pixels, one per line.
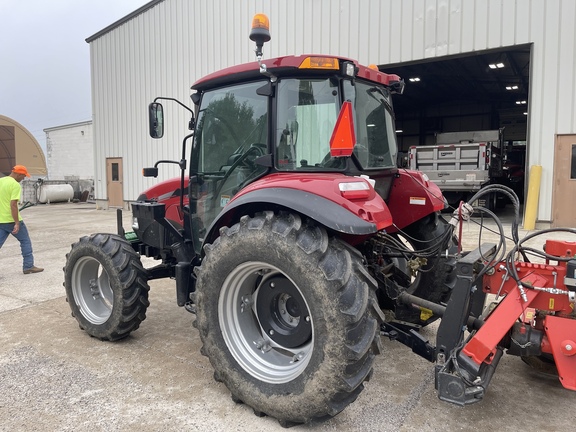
[{"x": 297, "y": 243}]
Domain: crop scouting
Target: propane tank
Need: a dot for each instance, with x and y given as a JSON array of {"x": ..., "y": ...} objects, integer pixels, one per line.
[{"x": 55, "y": 193}]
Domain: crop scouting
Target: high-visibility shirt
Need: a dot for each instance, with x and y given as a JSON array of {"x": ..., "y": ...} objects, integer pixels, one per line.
[{"x": 10, "y": 190}]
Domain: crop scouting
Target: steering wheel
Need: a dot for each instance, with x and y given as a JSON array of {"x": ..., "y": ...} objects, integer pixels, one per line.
[{"x": 258, "y": 149}]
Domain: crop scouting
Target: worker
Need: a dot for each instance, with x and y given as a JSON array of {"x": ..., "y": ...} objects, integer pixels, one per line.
[{"x": 10, "y": 220}]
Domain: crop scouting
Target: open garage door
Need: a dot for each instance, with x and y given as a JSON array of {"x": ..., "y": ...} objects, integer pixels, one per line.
[{"x": 485, "y": 90}]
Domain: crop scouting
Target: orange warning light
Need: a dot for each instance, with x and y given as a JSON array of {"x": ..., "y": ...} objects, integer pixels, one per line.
[
  {"x": 320, "y": 63},
  {"x": 260, "y": 21}
]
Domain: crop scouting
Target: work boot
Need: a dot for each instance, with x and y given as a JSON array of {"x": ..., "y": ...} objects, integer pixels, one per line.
[{"x": 33, "y": 270}]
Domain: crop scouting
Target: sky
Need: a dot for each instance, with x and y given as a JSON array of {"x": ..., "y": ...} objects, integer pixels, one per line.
[{"x": 45, "y": 59}]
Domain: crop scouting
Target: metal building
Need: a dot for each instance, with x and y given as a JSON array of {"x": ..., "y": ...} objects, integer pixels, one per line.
[
  {"x": 163, "y": 47},
  {"x": 18, "y": 146},
  {"x": 69, "y": 151}
]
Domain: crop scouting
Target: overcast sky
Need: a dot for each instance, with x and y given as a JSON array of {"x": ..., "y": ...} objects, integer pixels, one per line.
[{"x": 45, "y": 60}]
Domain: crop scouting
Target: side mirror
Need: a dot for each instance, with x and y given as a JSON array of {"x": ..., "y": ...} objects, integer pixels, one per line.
[
  {"x": 150, "y": 172},
  {"x": 156, "y": 120}
]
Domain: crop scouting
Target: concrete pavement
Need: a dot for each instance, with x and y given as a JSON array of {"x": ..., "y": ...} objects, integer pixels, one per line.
[{"x": 54, "y": 377}]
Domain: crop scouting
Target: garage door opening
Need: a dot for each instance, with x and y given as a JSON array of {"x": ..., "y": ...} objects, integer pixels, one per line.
[{"x": 480, "y": 91}]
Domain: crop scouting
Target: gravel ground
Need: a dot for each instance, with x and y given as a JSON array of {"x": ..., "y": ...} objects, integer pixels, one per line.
[{"x": 54, "y": 377}]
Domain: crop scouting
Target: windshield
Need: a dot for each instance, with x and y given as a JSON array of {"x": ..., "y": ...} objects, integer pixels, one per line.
[{"x": 306, "y": 115}]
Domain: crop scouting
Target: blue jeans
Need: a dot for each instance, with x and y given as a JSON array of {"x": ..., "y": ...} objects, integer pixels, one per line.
[{"x": 23, "y": 238}]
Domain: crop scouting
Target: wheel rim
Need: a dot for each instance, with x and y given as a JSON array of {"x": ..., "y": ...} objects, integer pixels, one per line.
[
  {"x": 92, "y": 291},
  {"x": 265, "y": 322}
]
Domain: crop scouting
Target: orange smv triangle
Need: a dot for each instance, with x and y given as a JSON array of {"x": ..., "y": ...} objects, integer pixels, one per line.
[{"x": 343, "y": 138}]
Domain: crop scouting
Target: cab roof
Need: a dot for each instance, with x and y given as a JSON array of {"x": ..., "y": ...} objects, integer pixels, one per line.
[{"x": 287, "y": 66}]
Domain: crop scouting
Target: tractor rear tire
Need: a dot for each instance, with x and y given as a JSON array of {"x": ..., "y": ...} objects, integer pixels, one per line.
[
  {"x": 106, "y": 286},
  {"x": 436, "y": 279},
  {"x": 287, "y": 317}
]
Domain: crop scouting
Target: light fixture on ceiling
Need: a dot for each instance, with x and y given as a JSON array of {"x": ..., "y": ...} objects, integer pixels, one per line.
[
  {"x": 414, "y": 79},
  {"x": 513, "y": 87},
  {"x": 498, "y": 65},
  {"x": 399, "y": 131},
  {"x": 521, "y": 102}
]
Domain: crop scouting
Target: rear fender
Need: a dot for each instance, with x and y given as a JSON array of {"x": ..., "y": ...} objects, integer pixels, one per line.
[
  {"x": 366, "y": 221},
  {"x": 413, "y": 197}
]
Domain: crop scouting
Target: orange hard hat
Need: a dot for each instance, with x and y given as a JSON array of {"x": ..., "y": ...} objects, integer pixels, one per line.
[{"x": 20, "y": 169}]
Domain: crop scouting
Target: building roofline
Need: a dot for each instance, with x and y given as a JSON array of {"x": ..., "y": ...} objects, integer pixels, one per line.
[
  {"x": 50, "y": 129},
  {"x": 121, "y": 21}
]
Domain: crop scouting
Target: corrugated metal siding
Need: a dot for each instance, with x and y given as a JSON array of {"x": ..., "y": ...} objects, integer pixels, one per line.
[{"x": 165, "y": 49}]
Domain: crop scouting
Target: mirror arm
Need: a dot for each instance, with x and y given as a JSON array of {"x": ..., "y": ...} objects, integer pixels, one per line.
[
  {"x": 165, "y": 161},
  {"x": 191, "y": 123},
  {"x": 174, "y": 100}
]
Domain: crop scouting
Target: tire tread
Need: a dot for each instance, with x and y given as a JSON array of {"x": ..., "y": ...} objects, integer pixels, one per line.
[
  {"x": 353, "y": 295},
  {"x": 123, "y": 264}
]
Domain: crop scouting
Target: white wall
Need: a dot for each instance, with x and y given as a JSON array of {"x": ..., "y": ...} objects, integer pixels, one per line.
[
  {"x": 164, "y": 50},
  {"x": 69, "y": 151}
]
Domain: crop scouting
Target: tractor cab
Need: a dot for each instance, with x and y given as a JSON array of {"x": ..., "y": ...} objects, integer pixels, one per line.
[{"x": 265, "y": 121}]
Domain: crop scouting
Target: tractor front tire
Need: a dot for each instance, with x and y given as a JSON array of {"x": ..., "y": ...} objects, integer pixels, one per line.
[
  {"x": 287, "y": 317},
  {"x": 106, "y": 286}
]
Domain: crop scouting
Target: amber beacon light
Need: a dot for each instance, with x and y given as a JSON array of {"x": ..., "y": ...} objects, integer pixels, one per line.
[{"x": 260, "y": 32}]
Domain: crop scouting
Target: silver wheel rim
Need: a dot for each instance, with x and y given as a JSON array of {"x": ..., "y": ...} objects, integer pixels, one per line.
[
  {"x": 92, "y": 291},
  {"x": 264, "y": 356}
]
